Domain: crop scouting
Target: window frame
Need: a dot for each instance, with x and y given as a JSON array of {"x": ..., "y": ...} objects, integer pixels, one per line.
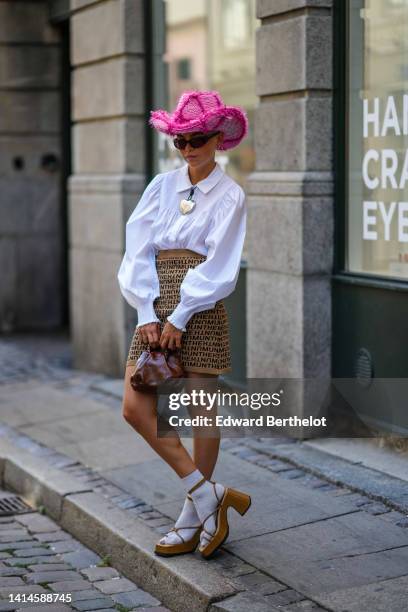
[{"x": 341, "y": 114}]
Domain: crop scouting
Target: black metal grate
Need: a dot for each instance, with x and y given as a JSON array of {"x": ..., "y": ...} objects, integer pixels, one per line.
[
  {"x": 13, "y": 504},
  {"x": 363, "y": 367}
]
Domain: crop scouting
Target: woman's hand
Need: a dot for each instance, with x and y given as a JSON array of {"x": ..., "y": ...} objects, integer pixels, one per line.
[
  {"x": 171, "y": 336},
  {"x": 150, "y": 333}
]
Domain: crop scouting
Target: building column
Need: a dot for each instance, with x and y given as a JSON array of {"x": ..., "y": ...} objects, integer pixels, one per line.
[
  {"x": 108, "y": 140},
  {"x": 290, "y": 195}
]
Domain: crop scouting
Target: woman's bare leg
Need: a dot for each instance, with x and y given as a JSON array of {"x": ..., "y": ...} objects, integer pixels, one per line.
[
  {"x": 206, "y": 441},
  {"x": 139, "y": 410},
  {"x": 205, "y": 452}
]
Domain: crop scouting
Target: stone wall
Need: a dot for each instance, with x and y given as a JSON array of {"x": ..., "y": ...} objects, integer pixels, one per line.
[{"x": 31, "y": 225}]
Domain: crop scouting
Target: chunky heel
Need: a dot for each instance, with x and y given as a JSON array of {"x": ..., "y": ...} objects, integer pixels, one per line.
[
  {"x": 231, "y": 498},
  {"x": 238, "y": 500}
]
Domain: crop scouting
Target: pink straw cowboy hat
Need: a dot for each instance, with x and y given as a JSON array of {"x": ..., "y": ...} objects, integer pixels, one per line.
[{"x": 203, "y": 111}]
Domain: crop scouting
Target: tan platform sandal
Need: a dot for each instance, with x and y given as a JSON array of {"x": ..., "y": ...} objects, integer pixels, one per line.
[
  {"x": 182, "y": 547},
  {"x": 231, "y": 498}
]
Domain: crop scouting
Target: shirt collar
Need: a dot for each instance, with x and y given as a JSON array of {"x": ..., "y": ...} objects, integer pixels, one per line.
[{"x": 183, "y": 179}]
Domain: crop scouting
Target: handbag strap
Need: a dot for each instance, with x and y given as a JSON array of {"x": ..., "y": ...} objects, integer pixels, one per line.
[{"x": 166, "y": 351}]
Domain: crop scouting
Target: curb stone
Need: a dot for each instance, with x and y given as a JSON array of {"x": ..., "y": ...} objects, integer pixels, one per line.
[{"x": 107, "y": 529}]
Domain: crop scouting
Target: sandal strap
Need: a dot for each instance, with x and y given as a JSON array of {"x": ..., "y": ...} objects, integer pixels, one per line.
[
  {"x": 175, "y": 529},
  {"x": 207, "y": 517},
  {"x": 190, "y": 527},
  {"x": 198, "y": 484},
  {"x": 205, "y": 539},
  {"x": 215, "y": 491},
  {"x": 219, "y": 500},
  {"x": 206, "y": 532}
]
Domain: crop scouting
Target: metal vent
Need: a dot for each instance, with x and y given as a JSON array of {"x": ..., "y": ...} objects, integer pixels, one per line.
[
  {"x": 363, "y": 368},
  {"x": 13, "y": 504}
]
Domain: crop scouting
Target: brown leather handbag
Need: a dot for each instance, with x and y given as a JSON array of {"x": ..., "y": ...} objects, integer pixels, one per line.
[{"x": 157, "y": 367}]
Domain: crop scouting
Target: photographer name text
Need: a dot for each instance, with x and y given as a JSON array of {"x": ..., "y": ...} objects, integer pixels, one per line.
[{"x": 259, "y": 421}]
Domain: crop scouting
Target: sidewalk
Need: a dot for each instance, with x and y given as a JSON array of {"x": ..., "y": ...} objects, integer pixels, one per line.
[{"x": 307, "y": 543}]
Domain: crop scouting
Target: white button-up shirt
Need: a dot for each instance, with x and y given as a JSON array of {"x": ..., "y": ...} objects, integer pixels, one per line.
[{"x": 215, "y": 227}]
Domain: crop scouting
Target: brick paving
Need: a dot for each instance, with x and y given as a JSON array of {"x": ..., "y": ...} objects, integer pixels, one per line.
[{"x": 42, "y": 562}]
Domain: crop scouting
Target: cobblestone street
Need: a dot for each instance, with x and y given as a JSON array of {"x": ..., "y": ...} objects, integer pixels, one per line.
[{"x": 39, "y": 561}]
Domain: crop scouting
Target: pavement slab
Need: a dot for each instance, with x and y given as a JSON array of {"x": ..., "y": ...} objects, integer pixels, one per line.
[
  {"x": 26, "y": 407},
  {"x": 351, "y": 550},
  {"x": 109, "y": 451},
  {"x": 381, "y": 596},
  {"x": 78, "y": 428}
]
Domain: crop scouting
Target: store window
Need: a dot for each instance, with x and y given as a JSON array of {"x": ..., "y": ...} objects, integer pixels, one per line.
[
  {"x": 211, "y": 45},
  {"x": 184, "y": 69},
  {"x": 377, "y": 142},
  {"x": 236, "y": 23}
]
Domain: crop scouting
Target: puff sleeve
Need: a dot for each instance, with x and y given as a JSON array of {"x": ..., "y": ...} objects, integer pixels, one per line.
[
  {"x": 137, "y": 275},
  {"x": 216, "y": 277}
]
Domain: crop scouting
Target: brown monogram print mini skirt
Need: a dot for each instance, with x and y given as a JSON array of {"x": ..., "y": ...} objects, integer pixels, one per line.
[{"x": 205, "y": 345}]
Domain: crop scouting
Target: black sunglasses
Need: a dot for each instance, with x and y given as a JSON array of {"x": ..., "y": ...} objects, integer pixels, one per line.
[{"x": 195, "y": 141}]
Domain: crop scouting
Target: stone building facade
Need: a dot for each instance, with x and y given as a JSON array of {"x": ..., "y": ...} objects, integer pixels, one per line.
[{"x": 85, "y": 154}]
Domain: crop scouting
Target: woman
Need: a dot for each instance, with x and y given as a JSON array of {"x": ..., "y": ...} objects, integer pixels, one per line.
[{"x": 184, "y": 243}]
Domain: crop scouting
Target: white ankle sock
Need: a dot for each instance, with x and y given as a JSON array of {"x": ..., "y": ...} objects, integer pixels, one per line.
[
  {"x": 188, "y": 518},
  {"x": 192, "y": 479},
  {"x": 205, "y": 501}
]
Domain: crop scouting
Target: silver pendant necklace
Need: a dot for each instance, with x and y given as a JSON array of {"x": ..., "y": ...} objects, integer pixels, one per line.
[{"x": 186, "y": 206}]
